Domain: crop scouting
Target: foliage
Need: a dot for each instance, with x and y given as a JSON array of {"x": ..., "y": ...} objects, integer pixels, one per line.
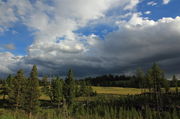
[
  {"x": 85, "y": 90},
  {"x": 68, "y": 89},
  {"x": 16, "y": 94},
  {"x": 175, "y": 83},
  {"x": 140, "y": 80},
  {"x": 72, "y": 99},
  {"x": 45, "y": 85},
  {"x": 56, "y": 90},
  {"x": 32, "y": 92}
]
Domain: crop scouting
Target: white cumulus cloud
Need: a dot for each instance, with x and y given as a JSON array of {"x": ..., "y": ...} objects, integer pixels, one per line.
[
  {"x": 152, "y": 3},
  {"x": 147, "y": 12},
  {"x": 166, "y": 1}
]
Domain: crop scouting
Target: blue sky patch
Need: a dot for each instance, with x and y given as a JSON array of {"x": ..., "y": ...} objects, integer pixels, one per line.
[{"x": 20, "y": 36}]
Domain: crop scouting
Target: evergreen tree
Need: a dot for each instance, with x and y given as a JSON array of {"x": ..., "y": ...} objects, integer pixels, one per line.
[
  {"x": 175, "y": 83},
  {"x": 69, "y": 90},
  {"x": 166, "y": 86},
  {"x": 157, "y": 76},
  {"x": 6, "y": 86},
  {"x": 76, "y": 89},
  {"x": 17, "y": 90},
  {"x": 149, "y": 80},
  {"x": 140, "y": 78},
  {"x": 32, "y": 92},
  {"x": 9, "y": 80},
  {"x": 45, "y": 86},
  {"x": 4, "y": 89},
  {"x": 82, "y": 89},
  {"x": 85, "y": 90},
  {"x": 57, "y": 91}
]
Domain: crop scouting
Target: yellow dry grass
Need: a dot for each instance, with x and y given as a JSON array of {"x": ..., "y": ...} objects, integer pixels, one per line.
[
  {"x": 108, "y": 91},
  {"x": 116, "y": 90}
]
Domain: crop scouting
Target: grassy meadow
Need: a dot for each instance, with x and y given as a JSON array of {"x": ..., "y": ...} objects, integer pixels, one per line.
[
  {"x": 105, "y": 91},
  {"x": 98, "y": 109},
  {"x": 117, "y": 90},
  {"x": 108, "y": 91}
]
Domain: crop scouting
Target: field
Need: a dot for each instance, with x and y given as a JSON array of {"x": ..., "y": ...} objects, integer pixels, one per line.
[
  {"x": 106, "y": 91},
  {"x": 121, "y": 90},
  {"x": 116, "y": 90},
  {"x": 104, "y": 104},
  {"x": 110, "y": 91}
]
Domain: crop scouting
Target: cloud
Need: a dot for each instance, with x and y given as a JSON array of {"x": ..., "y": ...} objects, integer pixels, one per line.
[
  {"x": 133, "y": 3},
  {"x": 140, "y": 41},
  {"x": 147, "y": 12},
  {"x": 14, "y": 32},
  {"x": 57, "y": 46},
  {"x": 53, "y": 24},
  {"x": 152, "y": 3},
  {"x": 7, "y": 60},
  {"x": 10, "y": 46},
  {"x": 166, "y": 1},
  {"x": 7, "y": 16}
]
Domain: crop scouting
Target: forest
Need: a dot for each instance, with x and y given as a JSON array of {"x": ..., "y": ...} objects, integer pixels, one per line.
[{"x": 151, "y": 96}]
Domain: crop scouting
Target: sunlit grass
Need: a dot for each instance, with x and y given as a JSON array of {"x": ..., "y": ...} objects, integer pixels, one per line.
[
  {"x": 108, "y": 91},
  {"x": 44, "y": 97},
  {"x": 117, "y": 90}
]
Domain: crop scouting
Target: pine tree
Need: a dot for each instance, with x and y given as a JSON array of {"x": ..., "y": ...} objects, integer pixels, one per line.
[
  {"x": 52, "y": 89},
  {"x": 4, "y": 89},
  {"x": 57, "y": 91},
  {"x": 149, "y": 80},
  {"x": 76, "y": 90},
  {"x": 140, "y": 78},
  {"x": 175, "y": 81},
  {"x": 6, "y": 84},
  {"x": 85, "y": 90},
  {"x": 69, "y": 91},
  {"x": 17, "y": 90},
  {"x": 166, "y": 86},
  {"x": 82, "y": 89},
  {"x": 32, "y": 93},
  {"x": 157, "y": 76},
  {"x": 45, "y": 84},
  {"x": 9, "y": 80}
]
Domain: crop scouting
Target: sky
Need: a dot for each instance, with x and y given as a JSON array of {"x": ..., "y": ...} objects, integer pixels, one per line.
[{"x": 92, "y": 37}]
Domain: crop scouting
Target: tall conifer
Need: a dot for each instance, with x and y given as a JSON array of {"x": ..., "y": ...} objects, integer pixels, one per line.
[
  {"x": 57, "y": 91},
  {"x": 69, "y": 90},
  {"x": 17, "y": 90},
  {"x": 45, "y": 84},
  {"x": 175, "y": 83},
  {"x": 32, "y": 92}
]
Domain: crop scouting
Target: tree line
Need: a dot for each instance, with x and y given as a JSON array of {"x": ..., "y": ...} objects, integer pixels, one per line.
[
  {"x": 23, "y": 93},
  {"x": 140, "y": 79}
]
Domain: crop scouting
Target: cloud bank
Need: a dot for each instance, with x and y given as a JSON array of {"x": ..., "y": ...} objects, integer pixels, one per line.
[{"x": 57, "y": 46}]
